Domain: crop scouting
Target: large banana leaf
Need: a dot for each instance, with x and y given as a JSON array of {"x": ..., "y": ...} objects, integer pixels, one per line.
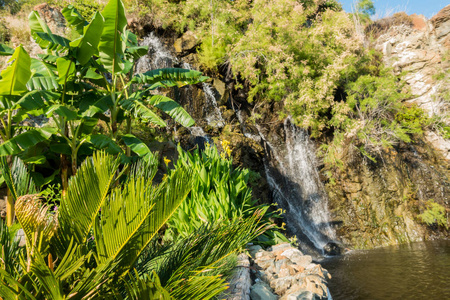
[
  {"x": 5, "y": 50},
  {"x": 26, "y": 140},
  {"x": 138, "y": 147},
  {"x": 87, "y": 44},
  {"x": 169, "y": 77},
  {"x": 86, "y": 193},
  {"x": 37, "y": 99},
  {"x": 43, "y": 35},
  {"x": 173, "y": 109},
  {"x": 44, "y": 77},
  {"x": 132, "y": 216},
  {"x": 66, "y": 69},
  {"x": 15, "y": 76},
  {"x": 140, "y": 111},
  {"x": 104, "y": 142},
  {"x": 62, "y": 111},
  {"x": 74, "y": 18},
  {"x": 111, "y": 46}
]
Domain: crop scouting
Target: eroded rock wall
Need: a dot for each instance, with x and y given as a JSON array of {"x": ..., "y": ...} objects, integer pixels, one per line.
[{"x": 420, "y": 51}]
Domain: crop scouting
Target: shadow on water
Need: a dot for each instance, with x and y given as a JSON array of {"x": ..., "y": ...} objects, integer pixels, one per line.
[{"x": 413, "y": 271}]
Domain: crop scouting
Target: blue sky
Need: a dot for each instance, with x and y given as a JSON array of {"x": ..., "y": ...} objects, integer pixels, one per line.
[{"x": 428, "y": 8}]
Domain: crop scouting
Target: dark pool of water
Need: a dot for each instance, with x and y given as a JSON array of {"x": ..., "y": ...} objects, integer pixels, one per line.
[{"x": 413, "y": 271}]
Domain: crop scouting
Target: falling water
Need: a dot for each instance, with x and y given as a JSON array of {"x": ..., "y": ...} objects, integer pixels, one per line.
[
  {"x": 291, "y": 171},
  {"x": 212, "y": 111},
  {"x": 159, "y": 57}
]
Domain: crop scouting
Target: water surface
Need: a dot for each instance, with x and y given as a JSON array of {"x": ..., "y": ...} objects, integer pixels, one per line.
[{"x": 413, "y": 271}]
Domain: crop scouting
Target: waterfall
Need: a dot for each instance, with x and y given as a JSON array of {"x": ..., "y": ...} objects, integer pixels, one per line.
[
  {"x": 159, "y": 57},
  {"x": 291, "y": 171},
  {"x": 212, "y": 111}
]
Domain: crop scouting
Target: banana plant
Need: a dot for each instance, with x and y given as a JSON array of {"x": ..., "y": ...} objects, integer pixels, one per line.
[
  {"x": 92, "y": 78},
  {"x": 16, "y": 138}
]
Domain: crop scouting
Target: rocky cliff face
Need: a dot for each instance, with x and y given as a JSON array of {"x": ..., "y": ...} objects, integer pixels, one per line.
[
  {"x": 378, "y": 203},
  {"x": 420, "y": 49},
  {"x": 372, "y": 204}
]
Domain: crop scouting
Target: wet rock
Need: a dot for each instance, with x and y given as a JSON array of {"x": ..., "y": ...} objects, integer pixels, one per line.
[
  {"x": 332, "y": 248},
  {"x": 288, "y": 272},
  {"x": 301, "y": 295},
  {"x": 260, "y": 291},
  {"x": 252, "y": 250},
  {"x": 239, "y": 288}
]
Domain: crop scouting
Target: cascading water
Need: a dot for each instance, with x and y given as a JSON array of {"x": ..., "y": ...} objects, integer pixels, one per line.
[
  {"x": 291, "y": 171},
  {"x": 159, "y": 57},
  {"x": 212, "y": 111}
]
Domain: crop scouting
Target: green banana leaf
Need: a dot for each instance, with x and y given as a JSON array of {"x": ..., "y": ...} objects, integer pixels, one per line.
[
  {"x": 173, "y": 109},
  {"x": 16, "y": 75},
  {"x": 74, "y": 18},
  {"x": 26, "y": 140},
  {"x": 111, "y": 46},
  {"x": 44, "y": 77},
  {"x": 5, "y": 50},
  {"x": 169, "y": 77},
  {"x": 138, "y": 147},
  {"x": 139, "y": 110},
  {"x": 43, "y": 35},
  {"x": 88, "y": 43},
  {"x": 101, "y": 141}
]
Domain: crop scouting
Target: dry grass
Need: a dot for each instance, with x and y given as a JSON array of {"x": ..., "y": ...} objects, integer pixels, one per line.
[{"x": 381, "y": 26}]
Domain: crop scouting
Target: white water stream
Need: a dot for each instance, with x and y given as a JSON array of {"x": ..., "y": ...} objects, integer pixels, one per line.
[{"x": 291, "y": 171}]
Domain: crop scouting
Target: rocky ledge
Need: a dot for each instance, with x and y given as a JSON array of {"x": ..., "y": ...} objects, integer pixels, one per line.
[{"x": 279, "y": 272}]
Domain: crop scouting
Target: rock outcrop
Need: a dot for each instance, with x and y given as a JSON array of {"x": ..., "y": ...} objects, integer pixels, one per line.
[{"x": 420, "y": 49}]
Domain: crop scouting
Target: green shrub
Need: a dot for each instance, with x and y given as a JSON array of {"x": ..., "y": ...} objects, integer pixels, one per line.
[
  {"x": 220, "y": 193},
  {"x": 434, "y": 214}
]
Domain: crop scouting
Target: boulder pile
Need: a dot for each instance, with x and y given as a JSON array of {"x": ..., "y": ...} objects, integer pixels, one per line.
[{"x": 279, "y": 272}]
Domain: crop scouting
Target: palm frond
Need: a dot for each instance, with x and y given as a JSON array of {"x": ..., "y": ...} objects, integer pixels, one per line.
[
  {"x": 189, "y": 269},
  {"x": 86, "y": 193},
  {"x": 133, "y": 215},
  {"x": 17, "y": 178}
]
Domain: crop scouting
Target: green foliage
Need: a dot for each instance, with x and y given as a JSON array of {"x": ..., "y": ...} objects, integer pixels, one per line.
[
  {"x": 434, "y": 214},
  {"x": 102, "y": 227},
  {"x": 71, "y": 85},
  {"x": 220, "y": 193}
]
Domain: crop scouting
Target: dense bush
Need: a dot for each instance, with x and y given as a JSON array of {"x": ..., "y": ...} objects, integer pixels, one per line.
[{"x": 220, "y": 194}]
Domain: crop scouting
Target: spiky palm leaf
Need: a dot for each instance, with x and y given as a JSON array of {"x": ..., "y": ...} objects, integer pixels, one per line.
[
  {"x": 189, "y": 269},
  {"x": 39, "y": 226},
  {"x": 86, "y": 193},
  {"x": 132, "y": 216},
  {"x": 17, "y": 178}
]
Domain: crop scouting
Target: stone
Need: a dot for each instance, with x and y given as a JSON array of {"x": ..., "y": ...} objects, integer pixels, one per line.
[
  {"x": 332, "y": 248},
  {"x": 281, "y": 285},
  {"x": 252, "y": 250},
  {"x": 186, "y": 42},
  {"x": 279, "y": 248},
  {"x": 240, "y": 283},
  {"x": 303, "y": 260},
  {"x": 266, "y": 263},
  {"x": 301, "y": 295},
  {"x": 291, "y": 253},
  {"x": 260, "y": 291}
]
